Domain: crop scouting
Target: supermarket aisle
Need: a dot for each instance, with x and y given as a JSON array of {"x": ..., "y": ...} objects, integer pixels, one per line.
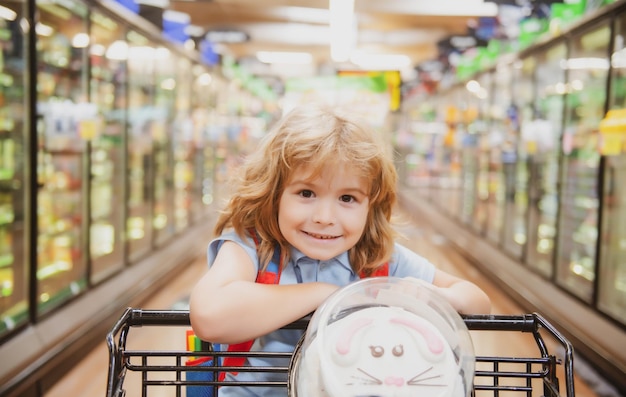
[{"x": 89, "y": 376}]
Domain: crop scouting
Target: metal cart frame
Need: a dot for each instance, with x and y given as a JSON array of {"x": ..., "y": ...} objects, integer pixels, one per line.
[{"x": 542, "y": 373}]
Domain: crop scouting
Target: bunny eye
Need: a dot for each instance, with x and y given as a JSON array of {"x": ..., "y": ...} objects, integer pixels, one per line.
[
  {"x": 398, "y": 350},
  {"x": 377, "y": 351}
]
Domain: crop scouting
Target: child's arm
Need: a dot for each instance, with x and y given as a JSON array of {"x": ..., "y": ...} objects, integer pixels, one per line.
[
  {"x": 465, "y": 296},
  {"x": 227, "y": 306}
]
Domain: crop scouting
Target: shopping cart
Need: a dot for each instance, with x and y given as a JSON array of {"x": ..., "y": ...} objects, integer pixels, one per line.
[{"x": 548, "y": 371}]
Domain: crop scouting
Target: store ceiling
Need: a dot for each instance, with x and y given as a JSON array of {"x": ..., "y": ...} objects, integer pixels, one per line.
[{"x": 409, "y": 27}]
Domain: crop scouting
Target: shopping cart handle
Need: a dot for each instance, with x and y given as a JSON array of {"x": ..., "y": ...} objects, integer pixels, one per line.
[
  {"x": 496, "y": 322},
  {"x": 139, "y": 317},
  {"x": 500, "y": 322}
]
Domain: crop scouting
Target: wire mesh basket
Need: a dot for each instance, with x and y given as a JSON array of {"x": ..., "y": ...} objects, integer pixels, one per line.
[{"x": 546, "y": 370}]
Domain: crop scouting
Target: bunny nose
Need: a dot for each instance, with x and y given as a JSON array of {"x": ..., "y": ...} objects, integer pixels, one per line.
[{"x": 394, "y": 380}]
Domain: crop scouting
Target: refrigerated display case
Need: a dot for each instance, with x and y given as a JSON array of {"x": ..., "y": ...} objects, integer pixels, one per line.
[
  {"x": 503, "y": 125},
  {"x": 206, "y": 127},
  {"x": 13, "y": 266},
  {"x": 612, "y": 269},
  {"x": 470, "y": 134},
  {"x": 515, "y": 161},
  {"x": 106, "y": 148},
  {"x": 587, "y": 65},
  {"x": 182, "y": 140},
  {"x": 612, "y": 266},
  {"x": 448, "y": 192},
  {"x": 542, "y": 135},
  {"x": 64, "y": 118},
  {"x": 141, "y": 131},
  {"x": 481, "y": 127},
  {"x": 165, "y": 84}
]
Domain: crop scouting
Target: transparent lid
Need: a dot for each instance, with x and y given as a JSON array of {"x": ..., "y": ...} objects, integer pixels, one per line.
[{"x": 384, "y": 337}]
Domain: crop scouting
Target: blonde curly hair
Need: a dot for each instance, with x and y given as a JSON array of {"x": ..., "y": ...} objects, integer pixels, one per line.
[{"x": 316, "y": 137}]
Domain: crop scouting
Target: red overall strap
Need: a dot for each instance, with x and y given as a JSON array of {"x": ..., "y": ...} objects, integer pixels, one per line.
[{"x": 382, "y": 271}]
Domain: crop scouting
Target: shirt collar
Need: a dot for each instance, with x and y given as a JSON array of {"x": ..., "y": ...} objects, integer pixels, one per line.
[{"x": 342, "y": 259}]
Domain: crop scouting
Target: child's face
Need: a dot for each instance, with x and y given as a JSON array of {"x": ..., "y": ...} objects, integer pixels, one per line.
[{"x": 325, "y": 216}]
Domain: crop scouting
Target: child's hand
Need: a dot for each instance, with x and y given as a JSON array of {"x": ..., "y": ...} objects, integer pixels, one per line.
[{"x": 462, "y": 295}]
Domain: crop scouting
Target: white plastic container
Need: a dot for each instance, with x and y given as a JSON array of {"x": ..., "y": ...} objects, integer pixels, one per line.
[{"x": 384, "y": 337}]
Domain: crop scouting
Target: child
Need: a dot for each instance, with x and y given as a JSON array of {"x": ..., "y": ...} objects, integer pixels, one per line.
[{"x": 322, "y": 187}]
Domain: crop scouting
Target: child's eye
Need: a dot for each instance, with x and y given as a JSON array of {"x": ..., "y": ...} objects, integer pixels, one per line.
[
  {"x": 346, "y": 198},
  {"x": 306, "y": 193}
]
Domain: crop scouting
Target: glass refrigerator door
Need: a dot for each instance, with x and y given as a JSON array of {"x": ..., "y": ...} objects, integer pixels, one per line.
[
  {"x": 502, "y": 129},
  {"x": 142, "y": 114},
  {"x": 108, "y": 92},
  {"x": 469, "y": 170},
  {"x": 481, "y": 129},
  {"x": 206, "y": 128},
  {"x": 450, "y": 195},
  {"x": 612, "y": 268},
  {"x": 584, "y": 109},
  {"x": 13, "y": 266},
  {"x": 515, "y": 163},
  {"x": 165, "y": 86},
  {"x": 65, "y": 120},
  {"x": 184, "y": 153},
  {"x": 469, "y": 156},
  {"x": 543, "y": 134}
]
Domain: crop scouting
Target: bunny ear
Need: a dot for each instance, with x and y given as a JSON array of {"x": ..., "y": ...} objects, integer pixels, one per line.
[
  {"x": 343, "y": 352},
  {"x": 432, "y": 344}
]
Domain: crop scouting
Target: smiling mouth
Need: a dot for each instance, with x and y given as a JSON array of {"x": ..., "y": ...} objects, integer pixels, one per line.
[{"x": 321, "y": 236}]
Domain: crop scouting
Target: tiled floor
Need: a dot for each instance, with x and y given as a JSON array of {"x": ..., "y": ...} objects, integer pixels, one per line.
[{"x": 89, "y": 377}]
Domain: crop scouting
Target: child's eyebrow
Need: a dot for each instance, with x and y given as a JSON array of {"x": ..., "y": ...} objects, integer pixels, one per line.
[
  {"x": 312, "y": 184},
  {"x": 356, "y": 190}
]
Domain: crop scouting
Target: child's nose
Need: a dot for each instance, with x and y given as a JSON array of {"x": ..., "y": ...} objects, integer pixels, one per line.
[{"x": 324, "y": 212}]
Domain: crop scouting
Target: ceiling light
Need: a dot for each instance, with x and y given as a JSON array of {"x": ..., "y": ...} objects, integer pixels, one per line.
[
  {"x": 380, "y": 61},
  {"x": 284, "y": 57},
  {"x": 342, "y": 29},
  {"x": 226, "y": 36}
]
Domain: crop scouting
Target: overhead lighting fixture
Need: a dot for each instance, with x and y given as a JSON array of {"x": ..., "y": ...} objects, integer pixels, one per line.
[
  {"x": 380, "y": 61},
  {"x": 297, "y": 58},
  {"x": 226, "y": 36},
  {"x": 342, "y": 29}
]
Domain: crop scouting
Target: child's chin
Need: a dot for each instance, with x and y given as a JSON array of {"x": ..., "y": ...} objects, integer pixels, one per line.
[{"x": 318, "y": 256}]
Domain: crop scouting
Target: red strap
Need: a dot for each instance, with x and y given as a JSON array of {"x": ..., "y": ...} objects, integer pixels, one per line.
[
  {"x": 382, "y": 271},
  {"x": 236, "y": 361},
  {"x": 268, "y": 278}
]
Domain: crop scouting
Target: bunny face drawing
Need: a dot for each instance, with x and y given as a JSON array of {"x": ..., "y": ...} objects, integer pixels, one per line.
[{"x": 387, "y": 352}]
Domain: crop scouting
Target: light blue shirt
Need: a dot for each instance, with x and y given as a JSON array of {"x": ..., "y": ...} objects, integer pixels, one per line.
[{"x": 337, "y": 270}]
